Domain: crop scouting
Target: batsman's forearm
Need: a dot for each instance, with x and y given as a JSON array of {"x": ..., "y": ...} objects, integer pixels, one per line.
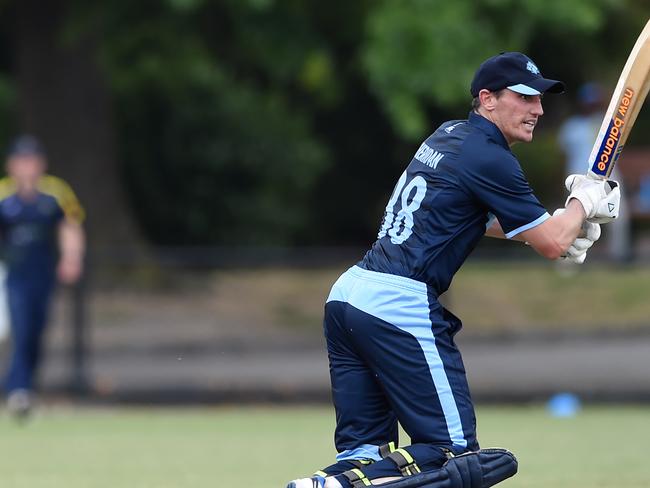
[
  {"x": 553, "y": 237},
  {"x": 571, "y": 223}
]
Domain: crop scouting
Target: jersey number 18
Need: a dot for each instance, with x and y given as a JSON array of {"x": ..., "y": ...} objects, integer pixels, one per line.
[{"x": 400, "y": 227}]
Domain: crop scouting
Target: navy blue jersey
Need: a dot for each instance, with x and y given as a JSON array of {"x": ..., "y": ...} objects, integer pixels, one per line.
[
  {"x": 460, "y": 178},
  {"x": 28, "y": 227}
]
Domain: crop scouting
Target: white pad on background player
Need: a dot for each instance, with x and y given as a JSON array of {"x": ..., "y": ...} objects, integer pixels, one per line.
[{"x": 601, "y": 199}]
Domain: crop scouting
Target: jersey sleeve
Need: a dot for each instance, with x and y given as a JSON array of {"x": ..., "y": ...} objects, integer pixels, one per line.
[
  {"x": 64, "y": 196},
  {"x": 501, "y": 186},
  {"x": 7, "y": 188}
]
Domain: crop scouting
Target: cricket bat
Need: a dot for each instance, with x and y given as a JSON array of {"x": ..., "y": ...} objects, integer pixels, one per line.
[{"x": 628, "y": 97}]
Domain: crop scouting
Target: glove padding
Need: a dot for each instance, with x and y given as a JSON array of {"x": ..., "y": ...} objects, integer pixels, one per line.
[
  {"x": 601, "y": 199},
  {"x": 577, "y": 252}
]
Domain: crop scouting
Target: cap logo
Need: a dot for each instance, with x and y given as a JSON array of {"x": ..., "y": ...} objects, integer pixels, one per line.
[{"x": 532, "y": 68}]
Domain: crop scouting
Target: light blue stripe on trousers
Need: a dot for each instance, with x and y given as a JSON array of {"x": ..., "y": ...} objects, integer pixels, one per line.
[{"x": 404, "y": 303}]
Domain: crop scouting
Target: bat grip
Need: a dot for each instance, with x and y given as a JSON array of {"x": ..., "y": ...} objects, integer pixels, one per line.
[{"x": 610, "y": 183}]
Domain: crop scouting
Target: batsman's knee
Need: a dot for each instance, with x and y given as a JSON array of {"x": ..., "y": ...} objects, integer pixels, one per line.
[{"x": 480, "y": 469}]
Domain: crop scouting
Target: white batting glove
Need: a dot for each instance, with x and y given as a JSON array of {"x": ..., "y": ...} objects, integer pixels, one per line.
[
  {"x": 609, "y": 207},
  {"x": 579, "y": 259},
  {"x": 601, "y": 199},
  {"x": 577, "y": 252}
]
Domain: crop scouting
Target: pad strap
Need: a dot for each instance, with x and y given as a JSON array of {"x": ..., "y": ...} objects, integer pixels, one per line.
[
  {"x": 361, "y": 463},
  {"x": 404, "y": 462},
  {"x": 356, "y": 478},
  {"x": 386, "y": 449}
]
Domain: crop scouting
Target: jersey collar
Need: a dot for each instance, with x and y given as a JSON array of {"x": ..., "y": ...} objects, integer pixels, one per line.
[{"x": 489, "y": 128}]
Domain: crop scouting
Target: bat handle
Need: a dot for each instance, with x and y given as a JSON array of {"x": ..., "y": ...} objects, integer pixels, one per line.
[{"x": 611, "y": 183}]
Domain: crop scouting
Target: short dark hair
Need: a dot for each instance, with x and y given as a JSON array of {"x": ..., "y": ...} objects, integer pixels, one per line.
[{"x": 476, "y": 101}]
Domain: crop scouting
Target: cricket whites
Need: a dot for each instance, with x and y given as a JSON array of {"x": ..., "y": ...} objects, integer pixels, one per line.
[{"x": 628, "y": 97}]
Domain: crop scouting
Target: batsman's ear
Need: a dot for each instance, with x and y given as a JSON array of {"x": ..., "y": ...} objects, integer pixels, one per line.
[{"x": 487, "y": 98}]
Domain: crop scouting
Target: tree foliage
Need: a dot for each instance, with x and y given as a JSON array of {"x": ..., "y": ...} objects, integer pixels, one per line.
[
  {"x": 286, "y": 121},
  {"x": 422, "y": 52},
  {"x": 213, "y": 149}
]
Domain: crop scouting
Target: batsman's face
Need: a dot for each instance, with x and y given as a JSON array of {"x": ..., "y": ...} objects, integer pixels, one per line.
[{"x": 516, "y": 115}]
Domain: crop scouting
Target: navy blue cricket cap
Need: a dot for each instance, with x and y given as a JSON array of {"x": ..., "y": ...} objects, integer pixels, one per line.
[
  {"x": 514, "y": 71},
  {"x": 25, "y": 145}
]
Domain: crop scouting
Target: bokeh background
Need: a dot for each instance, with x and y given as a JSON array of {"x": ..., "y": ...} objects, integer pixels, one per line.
[{"x": 235, "y": 156}]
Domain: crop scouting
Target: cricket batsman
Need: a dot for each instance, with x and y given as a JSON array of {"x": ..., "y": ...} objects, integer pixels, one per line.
[{"x": 390, "y": 343}]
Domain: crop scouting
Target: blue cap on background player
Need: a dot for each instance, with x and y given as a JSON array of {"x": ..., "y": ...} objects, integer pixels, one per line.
[
  {"x": 514, "y": 71},
  {"x": 25, "y": 145},
  {"x": 590, "y": 93}
]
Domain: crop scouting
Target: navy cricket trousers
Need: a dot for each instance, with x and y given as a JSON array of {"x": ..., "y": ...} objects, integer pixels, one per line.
[
  {"x": 28, "y": 305},
  {"x": 393, "y": 358}
]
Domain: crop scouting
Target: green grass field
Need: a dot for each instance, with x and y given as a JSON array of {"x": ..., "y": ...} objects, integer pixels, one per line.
[{"x": 264, "y": 447}]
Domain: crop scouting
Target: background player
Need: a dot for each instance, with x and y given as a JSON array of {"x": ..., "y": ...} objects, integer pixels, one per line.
[
  {"x": 390, "y": 342},
  {"x": 42, "y": 237}
]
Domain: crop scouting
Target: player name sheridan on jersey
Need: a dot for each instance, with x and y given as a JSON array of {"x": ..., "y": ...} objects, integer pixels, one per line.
[{"x": 461, "y": 178}]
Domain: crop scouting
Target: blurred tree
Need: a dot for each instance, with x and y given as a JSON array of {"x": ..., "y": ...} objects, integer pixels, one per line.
[
  {"x": 210, "y": 144},
  {"x": 62, "y": 97},
  {"x": 270, "y": 121},
  {"x": 214, "y": 149},
  {"x": 424, "y": 52}
]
